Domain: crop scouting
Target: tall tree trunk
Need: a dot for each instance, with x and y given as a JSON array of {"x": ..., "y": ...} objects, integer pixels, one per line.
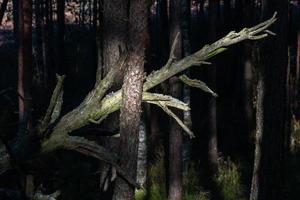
[
  {"x": 48, "y": 43},
  {"x": 132, "y": 96},
  {"x": 187, "y": 118},
  {"x": 16, "y": 18},
  {"x": 297, "y": 82},
  {"x": 270, "y": 149},
  {"x": 115, "y": 26},
  {"x": 25, "y": 58},
  {"x": 2, "y": 10},
  {"x": 175, "y": 134},
  {"x": 248, "y": 9},
  {"x": 212, "y": 130},
  {"x": 60, "y": 67}
]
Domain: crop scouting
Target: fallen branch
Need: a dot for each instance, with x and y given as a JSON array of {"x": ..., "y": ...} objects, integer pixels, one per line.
[
  {"x": 95, "y": 107},
  {"x": 53, "y": 102}
]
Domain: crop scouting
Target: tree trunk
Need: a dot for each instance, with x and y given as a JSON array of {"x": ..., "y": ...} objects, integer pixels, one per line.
[
  {"x": 16, "y": 18},
  {"x": 115, "y": 26},
  {"x": 132, "y": 97},
  {"x": 61, "y": 34},
  {"x": 175, "y": 134},
  {"x": 297, "y": 82},
  {"x": 212, "y": 130},
  {"x": 270, "y": 149},
  {"x": 25, "y": 58},
  {"x": 187, "y": 118},
  {"x": 248, "y": 9}
]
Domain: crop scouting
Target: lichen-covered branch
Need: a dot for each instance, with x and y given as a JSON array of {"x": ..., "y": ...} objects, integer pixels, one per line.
[
  {"x": 53, "y": 101},
  {"x": 111, "y": 102},
  {"x": 197, "y": 84},
  {"x": 95, "y": 107}
]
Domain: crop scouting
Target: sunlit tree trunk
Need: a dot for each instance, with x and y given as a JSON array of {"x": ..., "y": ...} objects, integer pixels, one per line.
[{"x": 132, "y": 96}]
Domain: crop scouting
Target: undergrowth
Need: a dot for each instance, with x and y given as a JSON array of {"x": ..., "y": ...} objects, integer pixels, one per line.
[{"x": 228, "y": 179}]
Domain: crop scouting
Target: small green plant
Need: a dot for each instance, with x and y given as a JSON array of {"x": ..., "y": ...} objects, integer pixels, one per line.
[
  {"x": 192, "y": 189},
  {"x": 228, "y": 180}
]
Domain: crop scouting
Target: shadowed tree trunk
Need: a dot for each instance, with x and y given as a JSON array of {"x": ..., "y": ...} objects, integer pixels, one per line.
[
  {"x": 297, "y": 84},
  {"x": 175, "y": 134},
  {"x": 268, "y": 172},
  {"x": 212, "y": 107},
  {"x": 132, "y": 97},
  {"x": 61, "y": 34},
  {"x": 25, "y": 58},
  {"x": 247, "y": 69},
  {"x": 115, "y": 26},
  {"x": 16, "y": 18}
]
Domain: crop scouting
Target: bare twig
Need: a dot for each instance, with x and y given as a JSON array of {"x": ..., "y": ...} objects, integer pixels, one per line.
[{"x": 197, "y": 84}]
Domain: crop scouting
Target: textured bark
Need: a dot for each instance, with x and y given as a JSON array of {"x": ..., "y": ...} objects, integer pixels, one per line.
[
  {"x": 212, "y": 110},
  {"x": 132, "y": 91},
  {"x": 268, "y": 173},
  {"x": 142, "y": 154},
  {"x": 115, "y": 26},
  {"x": 25, "y": 58},
  {"x": 175, "y": 134}
]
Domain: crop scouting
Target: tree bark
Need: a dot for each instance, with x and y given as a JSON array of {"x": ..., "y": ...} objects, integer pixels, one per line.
[
  {"x": 61, "y": 34},
  {"x": 175, "y": 134},
  {"x": 132, "y": 91},
  {"x": 115, "y": 28},
  {"x": 271, "y": 113},
  {"x": 25, "y": 58},
  {"x": 212, "y": 130}
]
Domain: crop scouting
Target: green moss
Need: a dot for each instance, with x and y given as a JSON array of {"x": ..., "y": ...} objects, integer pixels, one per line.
[{"x": 228, "y": 179}]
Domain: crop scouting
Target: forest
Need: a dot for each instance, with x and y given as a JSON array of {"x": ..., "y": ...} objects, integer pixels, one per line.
[{"x": 149, "y": 99}]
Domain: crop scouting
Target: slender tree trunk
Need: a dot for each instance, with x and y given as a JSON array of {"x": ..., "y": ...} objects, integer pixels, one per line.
[
  {"x": 25, "y": 58},
  {"x": 271, "y": 114},
  {"x": 175, "y": 134},
  {"x": 98, "y": 21},
  {"x": 2, "y": 10},
  {"x": 16, "y": 18},
  {"x": 297, "y": 84},
  {"x": 187, "y": 118},
  {"x": 212, "y": 131},
  {"x": 132, "y": 96},
  {"x": 48, "y": 43},
  {"x": 248, "y": 9},
  {"x": 60, "y": 67},
  {"x": 227, "y": 15}
]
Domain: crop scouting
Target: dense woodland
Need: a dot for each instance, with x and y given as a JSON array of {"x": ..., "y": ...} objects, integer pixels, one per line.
[{"x": 149, "y": 99}]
